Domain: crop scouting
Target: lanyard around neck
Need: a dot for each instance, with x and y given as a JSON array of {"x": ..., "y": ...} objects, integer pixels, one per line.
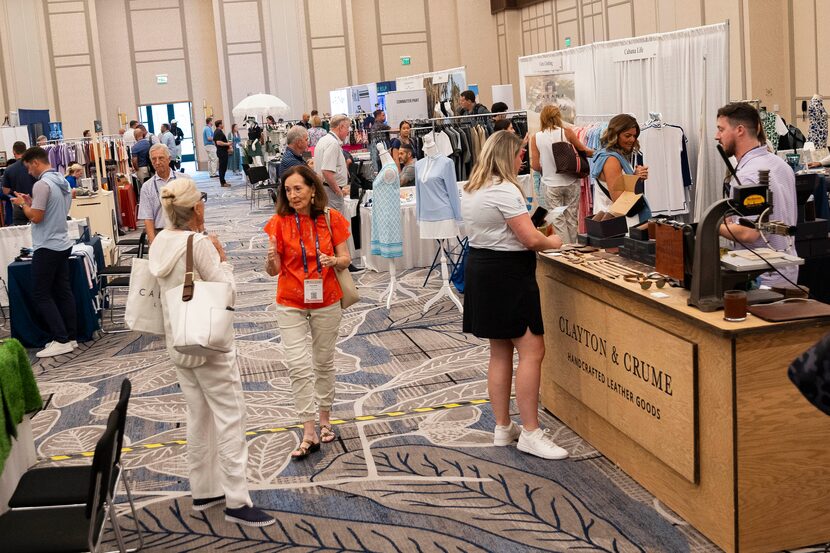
[{"x": 316, "y": 245}]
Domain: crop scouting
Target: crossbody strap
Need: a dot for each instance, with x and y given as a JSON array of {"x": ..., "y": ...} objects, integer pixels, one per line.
[{"x": 187, "y": 290}]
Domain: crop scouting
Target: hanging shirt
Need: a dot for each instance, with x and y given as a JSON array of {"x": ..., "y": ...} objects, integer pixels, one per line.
[
  {"x": 436, "y": 190},
  {"x": 662, "y": 149}
]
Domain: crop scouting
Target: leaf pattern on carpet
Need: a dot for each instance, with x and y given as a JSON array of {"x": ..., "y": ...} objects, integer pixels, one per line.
[
  {"x": 540, "y": 513},
  {"x": 43, "y": 421},
  {"x": 268, "y": 455},
  {"x": 65, "y": 394},
  {"x": 172, "y": 526}
]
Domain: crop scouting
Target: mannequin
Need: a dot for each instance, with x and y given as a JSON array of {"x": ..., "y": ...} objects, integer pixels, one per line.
[
  {"x": 387, "y": 237},
  {"x": 438, "y": 207}
]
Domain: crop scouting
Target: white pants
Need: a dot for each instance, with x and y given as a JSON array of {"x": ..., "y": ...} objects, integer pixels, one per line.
[
  {"x": 565, "y": 225},
  {"x": 213, "y": 160},
  {"x": 217, "y": 453},
  {"x": 311, "y": 370}
]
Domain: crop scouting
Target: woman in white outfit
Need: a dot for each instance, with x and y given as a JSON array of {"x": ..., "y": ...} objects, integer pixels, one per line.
[
  {"x": 217, "y": 453},
  {"x": 560, "y": 189}
]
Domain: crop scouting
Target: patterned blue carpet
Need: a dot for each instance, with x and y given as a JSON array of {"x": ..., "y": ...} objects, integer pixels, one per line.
[{"x": 402, "y": 475}]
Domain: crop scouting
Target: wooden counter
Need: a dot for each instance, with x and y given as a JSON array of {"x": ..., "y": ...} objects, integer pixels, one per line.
[{"x": 696, "y": 409}]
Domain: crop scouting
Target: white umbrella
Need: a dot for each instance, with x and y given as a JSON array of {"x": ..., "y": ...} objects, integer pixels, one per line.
[{"x": 259, "y": 106}]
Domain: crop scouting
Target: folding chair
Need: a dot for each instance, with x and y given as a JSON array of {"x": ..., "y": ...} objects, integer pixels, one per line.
[
  {"x": 260, "y": 181},
  {"x": 72, "y": 527},
  {"x": 110, "y": 279},
  {"x": 53, "y": 486}
]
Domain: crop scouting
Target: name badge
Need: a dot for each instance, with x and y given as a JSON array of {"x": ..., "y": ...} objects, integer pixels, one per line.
[{"x": 313, "y": 290}]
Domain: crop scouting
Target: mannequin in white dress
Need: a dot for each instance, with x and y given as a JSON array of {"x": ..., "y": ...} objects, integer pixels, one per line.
[{"x": 438, "y": 208}]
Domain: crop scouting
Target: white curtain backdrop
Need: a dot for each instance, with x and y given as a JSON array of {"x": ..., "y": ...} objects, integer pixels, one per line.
[{"x": 687, "y": 82}]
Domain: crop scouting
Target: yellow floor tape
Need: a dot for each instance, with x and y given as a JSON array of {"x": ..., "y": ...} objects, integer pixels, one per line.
[{"x": 361, "y": 418}]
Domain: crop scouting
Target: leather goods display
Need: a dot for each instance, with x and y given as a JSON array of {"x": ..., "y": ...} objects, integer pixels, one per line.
[
  {"x": 791, "y": 309},
  {"x": 127, "y": 205},
  {"x": 811, "y": 374},
  {"x": 344, "y": 278},
  {"x": 143, "y": 311},
  {"x": 669, "y": 251},
  {"x": 201, "y": 313},
  {"x": 569, "y": 160}
]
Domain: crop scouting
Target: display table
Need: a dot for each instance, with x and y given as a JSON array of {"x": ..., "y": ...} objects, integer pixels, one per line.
[
  {"x": 12, "y": 239},
  {"x": 697, "y": 410},
  {"x": 99, "y": 209},
  {"x": 24, "y": 325}
]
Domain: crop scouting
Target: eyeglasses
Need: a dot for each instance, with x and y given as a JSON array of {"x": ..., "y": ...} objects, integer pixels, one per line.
[
  {"x": 203, "y": 196},
  {"x": 645, "y": 281}
]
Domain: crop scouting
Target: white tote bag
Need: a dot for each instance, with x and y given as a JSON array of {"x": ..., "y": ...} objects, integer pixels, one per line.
[
  {"x": 143, "y": 312},
  {"x": 201, "y": 313}
]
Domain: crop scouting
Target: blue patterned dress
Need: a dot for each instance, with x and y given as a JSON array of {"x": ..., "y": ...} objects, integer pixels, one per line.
[{"x": 387, "y": 237}]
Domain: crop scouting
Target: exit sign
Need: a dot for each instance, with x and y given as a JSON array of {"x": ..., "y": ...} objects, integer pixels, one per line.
[
  {"x": 567, "y": 42},
  {"x": 161, "y": 79},
  {"x": 406, "y": 60}
]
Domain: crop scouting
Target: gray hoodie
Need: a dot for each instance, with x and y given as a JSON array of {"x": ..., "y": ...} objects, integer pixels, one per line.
[{"x": 167, "y": 263}]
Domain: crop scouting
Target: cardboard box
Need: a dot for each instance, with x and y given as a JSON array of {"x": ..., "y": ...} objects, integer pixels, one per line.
[
  {"x": 614, "y": 226},
  {"x": 629, "y": 202}
]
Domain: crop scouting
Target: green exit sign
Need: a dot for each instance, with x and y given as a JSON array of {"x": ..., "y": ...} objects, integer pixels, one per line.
[
  {"x": 406, "y": 60},
  {"x": 567, "y": 42}
]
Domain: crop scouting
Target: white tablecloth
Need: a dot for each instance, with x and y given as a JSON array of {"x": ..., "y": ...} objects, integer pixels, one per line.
[
  {"x": 21, "y": 457},
  {"x": 11, "y": 240},
  {"x": 416, "y": 252}
]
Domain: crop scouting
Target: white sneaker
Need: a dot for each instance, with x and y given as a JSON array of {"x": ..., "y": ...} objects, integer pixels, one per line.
[
  {"x": 55, "y": 348},
  {"x": 540, "y": 443},
  {"x": 74, "y": 344},
  {"x": 506, "y": 435}
]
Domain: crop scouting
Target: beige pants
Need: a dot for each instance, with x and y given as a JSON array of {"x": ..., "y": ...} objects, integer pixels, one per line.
[
  {"x": 311, "y": 370},
  {"x": 565, "y": 225},
  {"x": 217, "y": 453},
  {"x": 213, "y": 160}
]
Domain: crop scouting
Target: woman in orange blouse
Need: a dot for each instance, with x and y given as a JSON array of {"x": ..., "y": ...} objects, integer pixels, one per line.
[{"x": 304, "y": 253}]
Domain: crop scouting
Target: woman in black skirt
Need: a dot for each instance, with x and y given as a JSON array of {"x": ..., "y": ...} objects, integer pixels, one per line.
[{"x": 501, "y": 297}]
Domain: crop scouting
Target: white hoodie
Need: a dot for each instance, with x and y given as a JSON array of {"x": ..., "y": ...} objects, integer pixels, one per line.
[{"x": 167, "y": 263}]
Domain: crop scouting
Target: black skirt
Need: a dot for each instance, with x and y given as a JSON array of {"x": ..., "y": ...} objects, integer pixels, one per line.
[{"x": 501, "y": 296}]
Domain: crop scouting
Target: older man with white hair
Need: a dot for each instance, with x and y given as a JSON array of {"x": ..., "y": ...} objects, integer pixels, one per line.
[
  {"x": 149, "y": 207},
  {"x": 330, "y": 163},
  {"x": 297, "y": 141}
]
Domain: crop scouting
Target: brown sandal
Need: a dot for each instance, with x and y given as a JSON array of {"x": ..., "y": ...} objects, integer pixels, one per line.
[
  {"x": 327, "y": 434},
  {"x": 305, "y": 449}
]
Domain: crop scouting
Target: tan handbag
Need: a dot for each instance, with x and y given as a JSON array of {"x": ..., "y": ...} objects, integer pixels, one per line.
[{"x": 344, "y": 277}]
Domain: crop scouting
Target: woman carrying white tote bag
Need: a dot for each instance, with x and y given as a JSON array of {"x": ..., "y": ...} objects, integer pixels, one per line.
[{"x": 211, "y": 385}]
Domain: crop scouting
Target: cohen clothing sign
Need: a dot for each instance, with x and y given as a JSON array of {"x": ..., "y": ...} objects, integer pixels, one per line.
[{"x": 639, "y": 378}]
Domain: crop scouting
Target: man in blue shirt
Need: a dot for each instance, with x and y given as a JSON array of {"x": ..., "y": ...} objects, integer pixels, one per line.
[
  {"x": 47, "y": 209},
  {"x": 297, "y": 141},
  {"x": 141, "y": 156},
  {"x": 210, "y": 148},
  {"x": 17, "y": 179}
]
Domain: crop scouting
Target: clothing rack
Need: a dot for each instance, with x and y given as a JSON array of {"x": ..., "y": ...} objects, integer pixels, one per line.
[{"x": 475, "y": 116}]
